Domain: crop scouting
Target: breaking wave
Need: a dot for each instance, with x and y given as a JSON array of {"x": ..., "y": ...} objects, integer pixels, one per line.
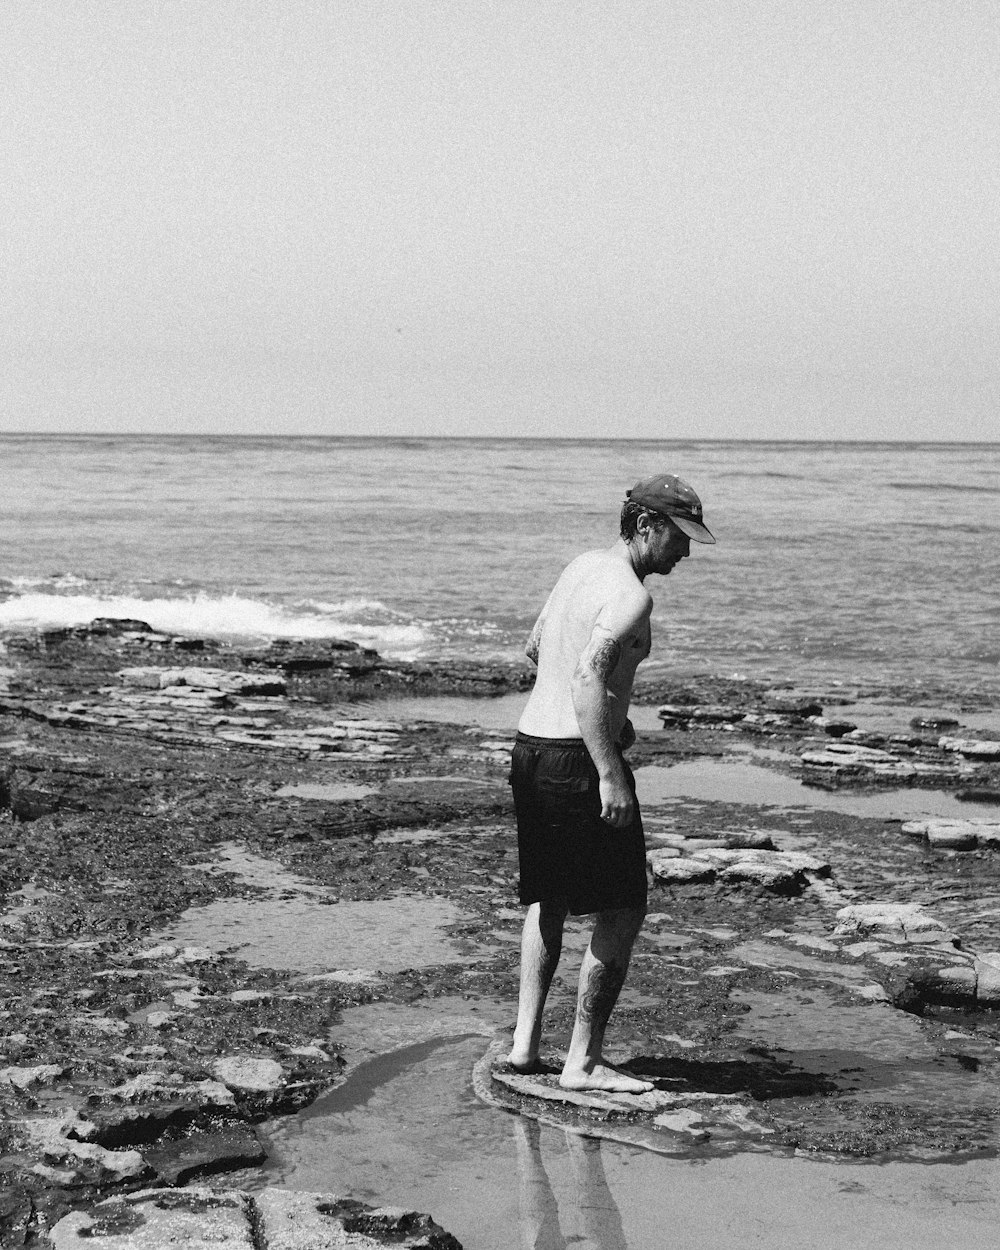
[{"x": 229, "y": 616}]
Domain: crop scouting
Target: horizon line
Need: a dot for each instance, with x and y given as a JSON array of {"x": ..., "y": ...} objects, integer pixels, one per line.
[{"x": 87, "y": 435}]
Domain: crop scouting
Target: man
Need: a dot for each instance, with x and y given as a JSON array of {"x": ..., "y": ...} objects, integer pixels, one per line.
[{"x": 580, "y": 839}]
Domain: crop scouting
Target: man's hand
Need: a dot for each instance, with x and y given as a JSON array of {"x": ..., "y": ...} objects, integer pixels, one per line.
[{"x": 617, "y": 803}]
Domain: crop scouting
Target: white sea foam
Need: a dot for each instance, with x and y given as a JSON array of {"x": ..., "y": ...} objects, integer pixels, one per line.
[
  {"x": 349, "y": 607},
  {"x": 227, "y": 617},
  {"x": 54, "y": 581}
]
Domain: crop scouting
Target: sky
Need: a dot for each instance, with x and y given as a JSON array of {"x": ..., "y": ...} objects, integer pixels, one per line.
[{"x": 678, "y": 218}]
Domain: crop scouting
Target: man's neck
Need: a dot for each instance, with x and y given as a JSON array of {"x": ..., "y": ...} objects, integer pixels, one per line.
[{"x": 629, "y": 551}]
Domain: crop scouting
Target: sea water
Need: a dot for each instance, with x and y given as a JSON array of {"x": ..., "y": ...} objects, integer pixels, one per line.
[{"x": 851, "y": 562}]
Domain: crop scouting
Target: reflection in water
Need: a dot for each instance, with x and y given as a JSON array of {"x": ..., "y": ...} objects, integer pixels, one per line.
[{"x": 540, "y": 1227}]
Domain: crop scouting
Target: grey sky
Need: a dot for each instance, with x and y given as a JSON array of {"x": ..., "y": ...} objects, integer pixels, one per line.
[{"x": 730, "y": 219}]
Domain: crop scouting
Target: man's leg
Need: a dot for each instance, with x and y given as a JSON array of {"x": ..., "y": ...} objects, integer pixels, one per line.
[
  {"x": 541, "y": 946},
  {"x": 602, "y": 975}
]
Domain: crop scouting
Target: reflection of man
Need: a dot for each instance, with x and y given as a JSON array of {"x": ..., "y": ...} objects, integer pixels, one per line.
[
  {"x": 580, "y": 839},
  {"x": 594, "y": 1207}
]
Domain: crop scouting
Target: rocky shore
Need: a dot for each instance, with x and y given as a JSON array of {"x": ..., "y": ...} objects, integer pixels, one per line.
[{"x": 814, "y": 977}]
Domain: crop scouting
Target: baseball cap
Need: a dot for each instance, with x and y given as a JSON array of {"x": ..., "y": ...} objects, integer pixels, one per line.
[{"x": 671, "y": 496}]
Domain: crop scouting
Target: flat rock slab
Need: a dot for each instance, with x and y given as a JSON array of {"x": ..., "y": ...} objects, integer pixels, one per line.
[
  {"x": 666, "y": 1121},
  {"x": 955, "y": 835},
  {"x": 784, "y": 872},
  {"x": 196, "y": 1219},
  {"x": 202, "y": 1219},
  {"x": 974, "y": 984},
  {"x": 250, "y": 1074},
  {"x": 226, "y": 680},
  {"x": 905, "y": 921},
  {"x": 971, "y": 748}
]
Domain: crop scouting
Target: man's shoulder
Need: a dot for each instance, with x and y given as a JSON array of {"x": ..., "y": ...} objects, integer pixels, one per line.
[
  {"x": 597, "y": 579},
  {"x": 603, "y": 563}
]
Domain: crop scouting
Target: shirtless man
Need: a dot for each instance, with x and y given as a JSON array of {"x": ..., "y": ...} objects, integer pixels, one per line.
[{"x": 580, "y": 839}]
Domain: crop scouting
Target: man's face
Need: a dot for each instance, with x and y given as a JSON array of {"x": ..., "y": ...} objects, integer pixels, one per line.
[{"x": 668, "y": 545}]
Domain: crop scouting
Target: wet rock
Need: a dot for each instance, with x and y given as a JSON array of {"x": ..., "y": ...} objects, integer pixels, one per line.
[
  {"x": 971, "y": 748},
  {"x": 55, "y": 1139},
  {"x": 747, "y": 839},
  {"x": 948, "y": 986},
  {"x": 308, "y": 1221},
  {"x": 668, "y": 868},
  {"x": 309, "y": 656},
  {"x": 547, "y": 1088},
  {"x": 177, "y": 955},
  {"x": 205, "y": 1153},
  {"x": 25, "y": 1078},
  {"x": 158, "y": 1086},
  {"x": 153, "y": 1219},
  {"x": 872, "y": 993},
  {"x": 678, "y": 715},
  {"x": 154, "y": 953},
  {"x": 955, "y": 835},
  {"x": 310, "y": 1052},
  {"x": 972, "y": 985},
  {"x": 790, "y": 705},
  {"x": 979, "y": 794},
  {"x": 114, "y": 626},
  {"x": 794, "y": 861},
  {"x": 211, "y": 679},
  {"x": 903, "y": 921},
  {"x": 344, "y": 976},
  {"x": 933, "y": 724},
  {"x": 784, "y": 872},
  {"x": 247, "y": 1074},
  {"x": 831, "y": 727},
  {"x": 853, "y": 756},
  {"x": 28, "y": 801},
  {"x": 17, "y": 1214},
  {"x": 726, "y": 839},
  {"x": 774, "y": 877},
  {"x": 987, "y": 969}
]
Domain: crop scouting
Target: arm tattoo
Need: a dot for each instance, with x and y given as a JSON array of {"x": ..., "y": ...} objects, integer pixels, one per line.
[
  {"x": 531, "y": 647},
  {"x": 601, "y": 656}
]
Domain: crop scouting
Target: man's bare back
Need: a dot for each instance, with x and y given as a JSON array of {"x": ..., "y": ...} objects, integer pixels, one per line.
[{"x": 597, "y": 595}]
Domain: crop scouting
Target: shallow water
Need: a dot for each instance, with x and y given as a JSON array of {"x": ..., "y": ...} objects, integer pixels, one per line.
[
  {"x": 329, "y": 792},
  {"x": 312, "y": 936},
  {"x": 730, "y": 781},
  {"x": 256, "y": 870},
  {"x": 406, "y": 1129}
]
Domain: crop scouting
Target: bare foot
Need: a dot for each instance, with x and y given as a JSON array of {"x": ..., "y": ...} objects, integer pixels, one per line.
[
  {"x": 525, "y": 1063},
  {"x": 604, "y": 1079}
]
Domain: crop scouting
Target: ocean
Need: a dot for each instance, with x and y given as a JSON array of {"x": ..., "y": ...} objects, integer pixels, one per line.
[{"x": 856, "y": 563}]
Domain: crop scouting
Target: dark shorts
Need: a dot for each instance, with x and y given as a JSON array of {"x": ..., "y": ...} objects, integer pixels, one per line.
[{"x": 567, "y": 853}]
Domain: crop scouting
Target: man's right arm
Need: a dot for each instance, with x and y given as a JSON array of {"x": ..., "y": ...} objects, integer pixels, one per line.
[
  {"x": 589, "y": 688},
  {"x": 533, "y": 645}
]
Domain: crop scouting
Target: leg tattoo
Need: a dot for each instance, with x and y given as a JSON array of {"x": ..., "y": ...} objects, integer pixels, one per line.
[{"x": 598, "y": 1000}]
